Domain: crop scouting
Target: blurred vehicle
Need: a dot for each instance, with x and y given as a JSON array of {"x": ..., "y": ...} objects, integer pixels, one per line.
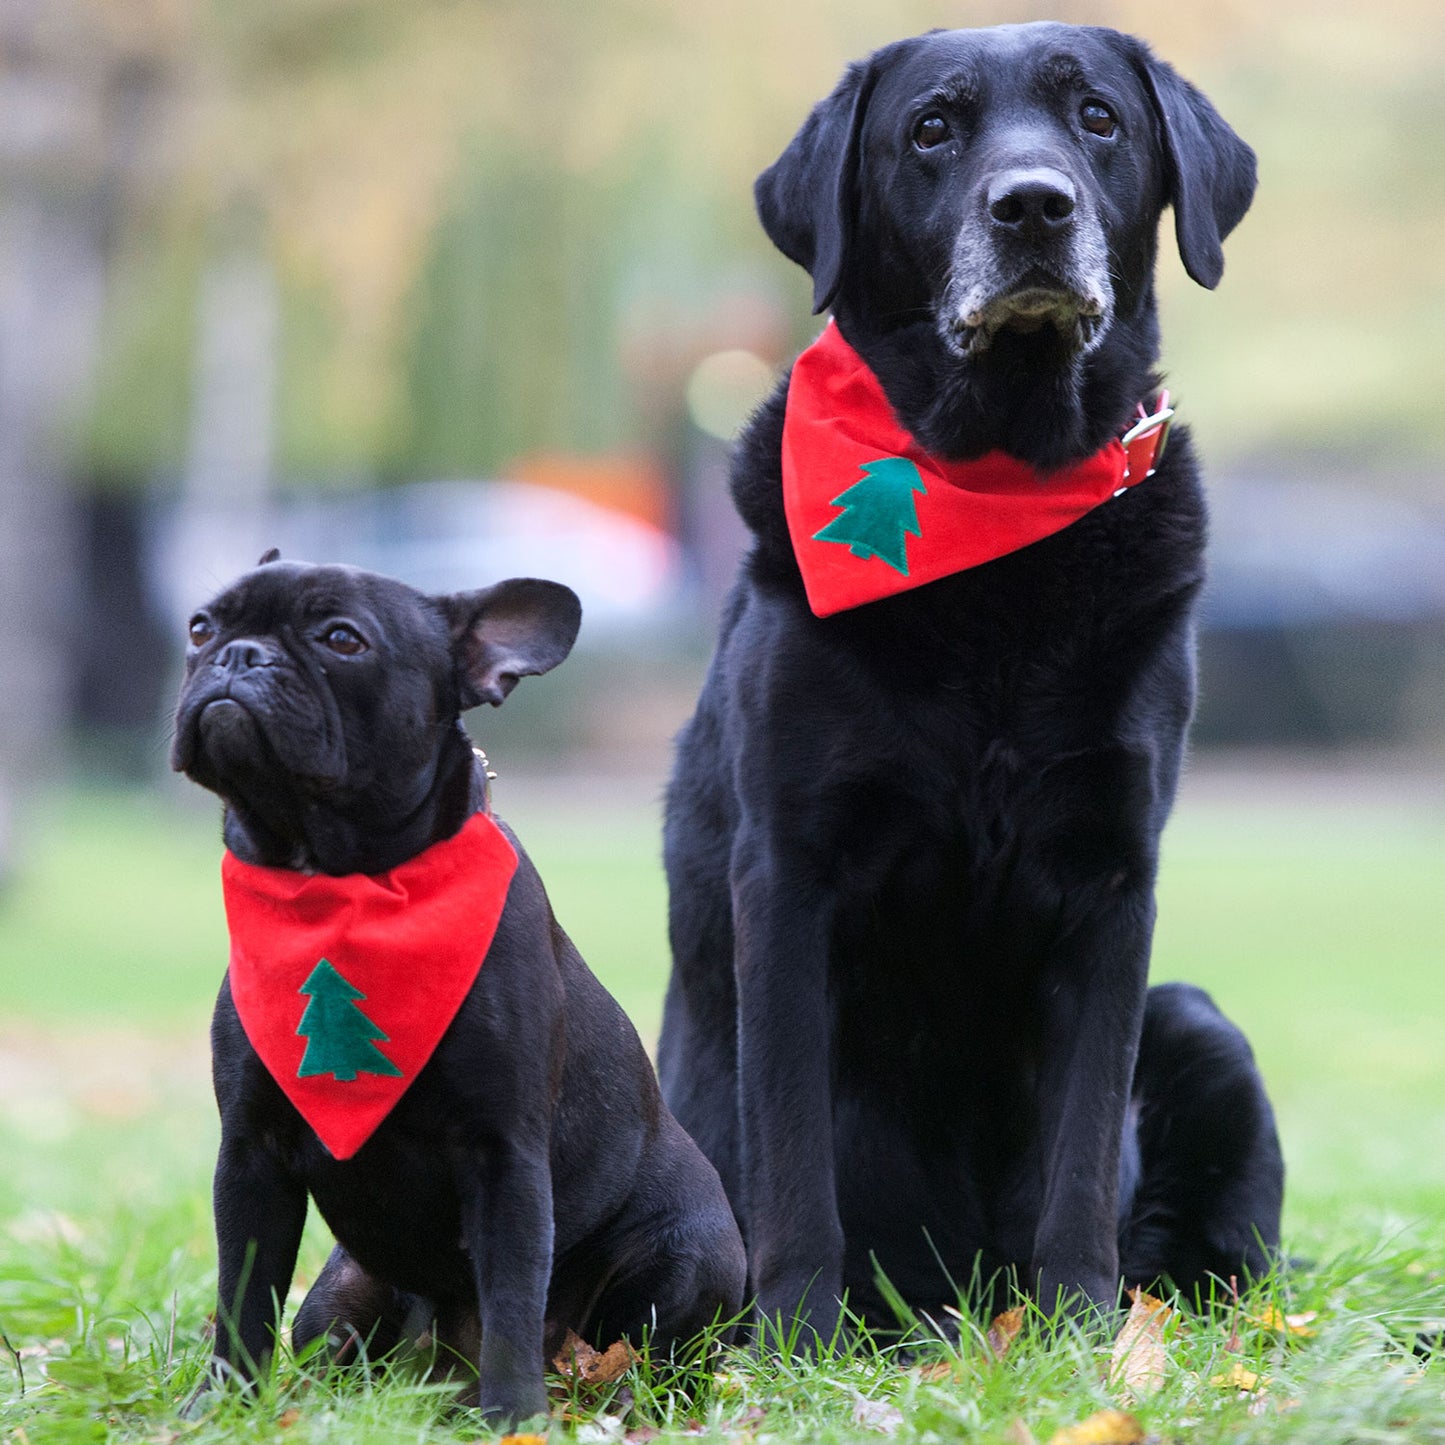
[
  {"x": 1324, "y": 616},
  {"x": 439, "y": 536},
  {"x": 1323, "y": 622}
]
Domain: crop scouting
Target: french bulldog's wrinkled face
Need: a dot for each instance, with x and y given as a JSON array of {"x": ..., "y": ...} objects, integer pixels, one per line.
[
  {"x": 318, "y": 675},
  {"x": 332, "y": 685}
]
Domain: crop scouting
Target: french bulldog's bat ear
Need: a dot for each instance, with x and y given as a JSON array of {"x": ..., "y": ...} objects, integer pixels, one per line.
[
  {"x": 271, "y": 554},
  {"x": 1210, "y": 172},
  {"x": 516, "y": 629}
]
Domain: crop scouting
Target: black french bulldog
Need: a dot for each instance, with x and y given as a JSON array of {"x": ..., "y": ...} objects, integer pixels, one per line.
[{"x": 529, "y": 1179}]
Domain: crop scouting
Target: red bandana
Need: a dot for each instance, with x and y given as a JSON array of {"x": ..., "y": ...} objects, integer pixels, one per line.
[
  {"x": 907, "y": 517},
  {"x": 346, "y": 985}
]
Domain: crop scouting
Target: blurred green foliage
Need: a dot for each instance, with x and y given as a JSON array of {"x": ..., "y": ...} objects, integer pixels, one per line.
[{"x": 513, "y": 224}]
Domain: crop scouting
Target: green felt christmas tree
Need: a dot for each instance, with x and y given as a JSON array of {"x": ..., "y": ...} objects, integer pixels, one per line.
[
  {"x": 338, "y": 1035},
  {"x": 879, "y": 513}
]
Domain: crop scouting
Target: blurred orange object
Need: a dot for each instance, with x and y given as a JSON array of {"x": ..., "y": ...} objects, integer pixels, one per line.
[{"x": 630, "y": 482}]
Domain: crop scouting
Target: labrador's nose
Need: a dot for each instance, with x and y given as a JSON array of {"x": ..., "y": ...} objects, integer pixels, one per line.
[{"x": 1036, "y": 203}]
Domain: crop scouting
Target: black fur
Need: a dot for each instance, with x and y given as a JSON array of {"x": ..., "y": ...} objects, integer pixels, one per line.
[
  {"x": 531, "y": 1178},
  {"x": 912, "y": 847}
]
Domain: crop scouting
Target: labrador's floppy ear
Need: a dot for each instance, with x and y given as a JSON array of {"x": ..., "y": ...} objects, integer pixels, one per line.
[
  {"x": 515, "y": 629},
  {"x": 1210, "y": 171},
  {"x": 806, "y": 198}
]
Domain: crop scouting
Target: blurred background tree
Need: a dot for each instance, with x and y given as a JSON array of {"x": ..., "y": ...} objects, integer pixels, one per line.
[
  {"x": 470, "y": 206},
  {"x": 313, "y": 246}
]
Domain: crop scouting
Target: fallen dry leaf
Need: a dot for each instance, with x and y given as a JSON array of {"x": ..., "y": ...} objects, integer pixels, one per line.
[
  {"x": 287, "y": 1418},
  {"x": 1107, "y": 1427},
  {"x": 938, "y": 1371},
  {"x": 1139, "y": 1362},
  {"x": 1018, "y": 1433},
  {"x": 1260, "y": 1403},
  {"x": 612, "y": 1363},
  {"x": 876, "y": 1415},
  {"x": 1004, "y": 1331},
  {"x": 1238, "y": 1378},
  {"x": 575, "y": 1351},
  {"x": 601, "y": 1430},
  {"x": 577, "y": 1360},
  {"x": 1273, "y": 1318}
]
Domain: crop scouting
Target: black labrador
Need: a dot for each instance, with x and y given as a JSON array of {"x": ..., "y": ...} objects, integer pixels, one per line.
[{"x": 912, "y": 846}]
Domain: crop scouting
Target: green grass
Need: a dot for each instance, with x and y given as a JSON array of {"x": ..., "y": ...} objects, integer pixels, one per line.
[
  {"x": 108, "y": 1324},
  {"x": 1321, "y": 930},
  {"x": 1317, "y": 927}
]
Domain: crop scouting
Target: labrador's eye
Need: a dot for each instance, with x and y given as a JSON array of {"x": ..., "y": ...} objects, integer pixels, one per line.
[
  {"x": 1097, "y": 118},
  {"x": 344, "y": 640},
  {"x": 931, "y": 130}
]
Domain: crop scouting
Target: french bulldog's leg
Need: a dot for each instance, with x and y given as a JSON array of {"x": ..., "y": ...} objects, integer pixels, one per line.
[
  {"x": 260, "y": 1211},
  {"x": 507, "y": 1225},
  {"x": 361, "y": 1317},
  {"x": 680, "y": 1269},
  {"x": 685, "y": 1280}
]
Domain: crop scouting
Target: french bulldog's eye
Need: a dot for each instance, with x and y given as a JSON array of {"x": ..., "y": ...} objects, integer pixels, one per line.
[
  {"x": 344, "y": 640},
  {"x": 200, "y": 630},
  {"x": 931, "y": 130},
  {"x": 1097, "y": 118}
]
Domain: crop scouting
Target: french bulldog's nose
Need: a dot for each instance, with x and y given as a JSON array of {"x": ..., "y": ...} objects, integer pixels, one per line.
[{"x": 242, "y": 655}]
